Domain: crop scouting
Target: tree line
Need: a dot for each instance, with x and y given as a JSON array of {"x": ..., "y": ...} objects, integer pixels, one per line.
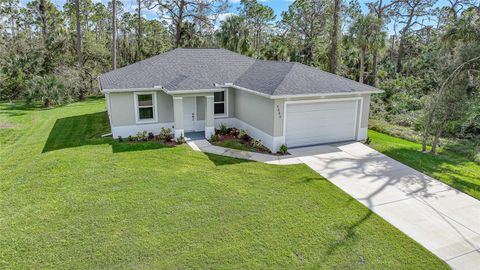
[{"x": 423, "y": 53}]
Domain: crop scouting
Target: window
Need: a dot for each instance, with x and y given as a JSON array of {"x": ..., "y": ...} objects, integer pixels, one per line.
[
  {"x": 219, "y": 102},
  {"x": 145, "y": 106}
]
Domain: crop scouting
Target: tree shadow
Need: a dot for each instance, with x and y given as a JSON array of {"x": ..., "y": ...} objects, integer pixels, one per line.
[
  {"x": 87, "y": 129},
  {"x": 433, "y": 164},
  {"x": 219, "y": 160}
]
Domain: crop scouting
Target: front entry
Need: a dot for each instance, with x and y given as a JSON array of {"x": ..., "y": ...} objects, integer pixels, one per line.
[{"x": 189, "y": 116}]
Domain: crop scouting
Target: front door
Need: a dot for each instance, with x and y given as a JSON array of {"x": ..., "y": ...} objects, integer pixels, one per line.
[{"x": 189, "y": 113}]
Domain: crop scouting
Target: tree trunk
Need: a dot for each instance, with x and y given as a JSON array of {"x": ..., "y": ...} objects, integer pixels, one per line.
[
  {"x": 362, "y": 65},
  {"x": 434, "y": 105},
  {"x": 438, "y": 133},
  {"x": 374, "y": 67},
  {"x": 334, "y": 37},
  {"x": 43, "y": 22},
  {"x": 178, "y": 26},
  {"x": 401, "y": 52},
  {"x": 79, "y": 49},
  {"x": 426, "y": 132},
  {"x": 114, "y": 34},
  {"x": 139, "y": 31},
  {"x": 43, "y": 18}
]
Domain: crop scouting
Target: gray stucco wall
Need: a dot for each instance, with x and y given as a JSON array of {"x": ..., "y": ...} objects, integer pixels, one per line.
[
  {"x": 122, "y": 106},
  {"x": 254, "y": 110},
  {"x": 122, "y": 109},
  {"x": 365, "y": 112}
]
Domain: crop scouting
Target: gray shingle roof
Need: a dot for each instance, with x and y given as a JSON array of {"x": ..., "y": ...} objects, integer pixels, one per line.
[{"x": 192, "y": 69}]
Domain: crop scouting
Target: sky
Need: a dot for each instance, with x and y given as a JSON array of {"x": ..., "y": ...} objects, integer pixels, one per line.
[{"x": 277, "y": 5}]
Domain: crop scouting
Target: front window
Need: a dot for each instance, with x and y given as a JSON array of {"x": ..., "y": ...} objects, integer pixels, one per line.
[
  {"x": 145, "y": 107},
  {"x": 219, "y": 102}
]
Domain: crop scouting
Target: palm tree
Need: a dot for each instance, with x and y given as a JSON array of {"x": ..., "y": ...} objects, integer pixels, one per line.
[
  {"x": 360, "y": 32},
  {"x": 234, "y": 34}
]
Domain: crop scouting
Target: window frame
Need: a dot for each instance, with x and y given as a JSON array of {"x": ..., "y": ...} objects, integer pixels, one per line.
[
  {"x": 137, "y": 107},
  {"x": 225, "y": 105}
]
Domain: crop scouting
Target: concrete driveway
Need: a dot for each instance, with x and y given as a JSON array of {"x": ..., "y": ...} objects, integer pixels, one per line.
[{"x": 442, "y": 219}]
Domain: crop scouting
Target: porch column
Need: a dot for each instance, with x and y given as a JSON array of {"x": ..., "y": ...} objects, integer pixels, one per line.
[
  {"x": 178, "y": 116},
  {"x": 209, "y": 119}
]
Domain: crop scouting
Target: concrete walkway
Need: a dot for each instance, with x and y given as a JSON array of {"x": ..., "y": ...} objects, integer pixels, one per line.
[
  {"x": 204, "y": 146},
  {"x": 442, "y": 219}
]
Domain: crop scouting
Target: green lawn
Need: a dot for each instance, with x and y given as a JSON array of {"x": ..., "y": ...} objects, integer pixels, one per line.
[
  {"x": 449, "y": 167},
  {"x": 72, "y": 200}
]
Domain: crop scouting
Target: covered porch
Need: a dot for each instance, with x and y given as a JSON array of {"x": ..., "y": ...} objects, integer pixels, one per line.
[{"x": 194, "y": 114}]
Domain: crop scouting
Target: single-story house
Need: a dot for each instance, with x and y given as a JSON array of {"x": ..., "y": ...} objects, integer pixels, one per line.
[{"x": 199, "y": 89}]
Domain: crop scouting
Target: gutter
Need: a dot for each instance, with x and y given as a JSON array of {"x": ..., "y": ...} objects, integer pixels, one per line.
[{"x": 231, "y": 85}]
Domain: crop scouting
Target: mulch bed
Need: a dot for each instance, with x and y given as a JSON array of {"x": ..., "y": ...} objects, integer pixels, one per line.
[{"x": 232, "y": 135}]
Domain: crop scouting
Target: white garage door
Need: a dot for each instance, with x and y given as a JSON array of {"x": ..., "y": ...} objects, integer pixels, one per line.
[{"x": 320, "y": 122}]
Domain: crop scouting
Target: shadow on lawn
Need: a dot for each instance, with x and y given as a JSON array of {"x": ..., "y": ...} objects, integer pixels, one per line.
[
  {"x": 86, "y": 129},
  {"x": 430, "y": 165},
  {"x": 219, "y": 160}
]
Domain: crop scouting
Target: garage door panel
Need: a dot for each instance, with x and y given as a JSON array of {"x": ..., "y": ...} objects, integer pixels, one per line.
[
  {"x": 326, "y": 106},
  {"x": 321, "y": 122}
]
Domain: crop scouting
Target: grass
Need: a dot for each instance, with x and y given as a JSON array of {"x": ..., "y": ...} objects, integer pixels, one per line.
[
  {"x": 466, "y": 147},
  {"x": 70, "y": 199},
  {"x": 450, "y": 167}
]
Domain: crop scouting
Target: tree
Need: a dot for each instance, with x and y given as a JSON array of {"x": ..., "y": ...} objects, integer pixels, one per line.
[
  {"x": 258, "y": 17},
  {"x": 114, "y": 34},
  {"x": 139, "y": 31},
  {"x": 306, "y": 20},
  {"x": 408, "y": 12},
  {"x": 334, "y": 36},
  {"x": 234, "y": 34},
  {"x": 433, "y": 112},
  {"x": 360, "y": 32},
  {"x": 380, "y": 8},
  {"x": 79, "y": 46},
  {"x": 180, "y": 11}
]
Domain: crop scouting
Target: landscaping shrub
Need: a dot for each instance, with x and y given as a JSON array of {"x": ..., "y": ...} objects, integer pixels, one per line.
[
  {"x": 166, "y": 134},
  {"x": 131, "y": 138},
  {"x": 257, "y": 143},
  {"x": 283, "y": 149},
  {"x": 223, "y": 129},
  {"x": 151, "y": 136},
  {"x": 120, "y": 139},
  {"x": 213, "y": 137},
  {"x": 233, "y": 132},
  {"x": 181, "y": 140},
  {"x": 241, "y": 133},
  {"x": 142, "y": 135}
]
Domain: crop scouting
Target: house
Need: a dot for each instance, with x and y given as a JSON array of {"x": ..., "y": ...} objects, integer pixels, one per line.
[{"x": 199, "y": 89}]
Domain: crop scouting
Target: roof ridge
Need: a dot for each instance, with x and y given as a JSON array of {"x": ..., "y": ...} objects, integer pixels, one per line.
[{"x": 284, "y": 77}]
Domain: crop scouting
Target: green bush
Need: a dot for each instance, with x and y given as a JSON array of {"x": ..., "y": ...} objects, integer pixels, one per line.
[
  {"x": 166, "y": 134},
  {"x": 257, "y": 143},
  {"x": 283, "y": 149},
  {"x": 142, "y": 135},
  {"x": 223, "y": 129},
  {"x": 241, "y": 133},
  {"x": 213, "y": 137}
]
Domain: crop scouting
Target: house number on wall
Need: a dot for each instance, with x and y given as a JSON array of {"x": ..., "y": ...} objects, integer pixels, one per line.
[{"x": 279, "y": 113}]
